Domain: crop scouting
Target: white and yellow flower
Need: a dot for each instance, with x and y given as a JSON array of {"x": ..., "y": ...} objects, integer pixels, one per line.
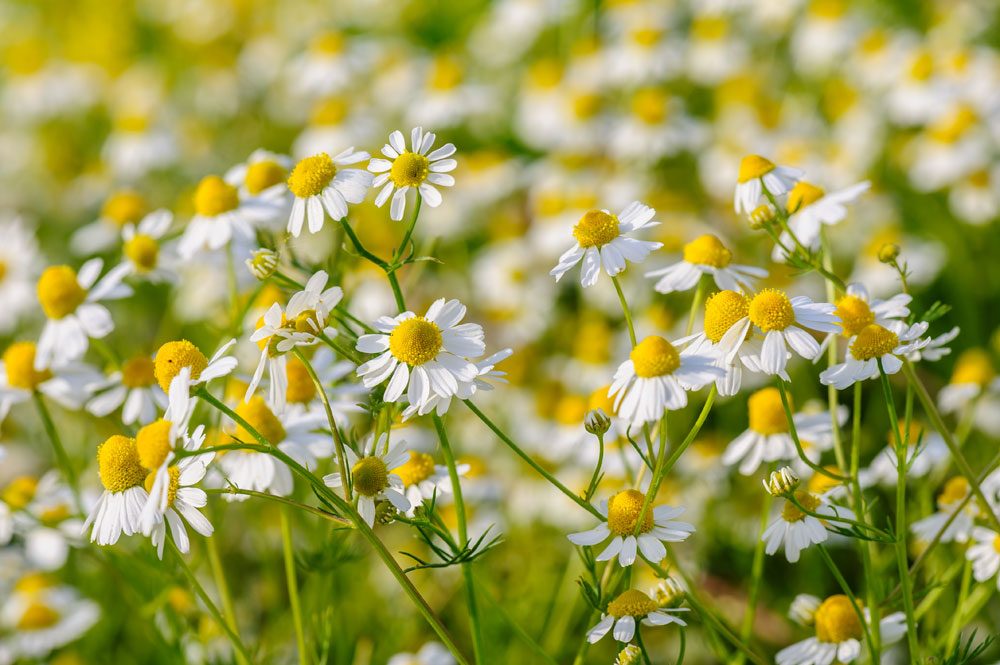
[
  {"x": 959, "y": 518},
  {"x": 628, "y": 607},
  {"x": 796, "y": 530},
  {"x": 321, "y": 183},
  {"x": 40, "y": 616},
  {"x": 926, "y": 451},
  {"x": 134, "y": 389},
  {"x": 984, "y": 554},
  {"x": 414, "y": 168},
  {"x": 758, "y": 175},
  {"x": 810, "y": 208},
  {"x": 839, "y": 631},
  {"x": 706, "y": 255},
  {"x": 119, "y": 509},
  {"x": 872, "y": 347},
  {"x": 142, "y": 249},
  {"x": 486, "y": 375},
  {"x": 425, "y": 480},
  {"x": 70, "y": 385},
  {"x": 221, "y": 216},
  {"x": 373, "y": 477},
  {"x": 173, "y": 357}
]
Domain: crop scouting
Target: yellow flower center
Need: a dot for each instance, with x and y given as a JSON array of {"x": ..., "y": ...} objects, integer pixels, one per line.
[
  {"x": 771, "y": 310},
  {"x": 873, "y": 341},
  {"x": 54, "y": 514},
  {"x": 143, "y": 251},
  {"x": 370, "y": 476},
  {"x": 722, "y": 311},
  {"x": 307, "y": 322},
  {"x": 632, "y": 603},
  {"x": 646, "y": 36},
  {"x": 596, "y": 228},
  {"x": 329, "y": 111},
  {"x": 312, "y": 175},
  {"x": 599, "y": 400},
  {"x": 153, "y": 443},
  {"x": 820, "y": 482},
  {"x": 175, "y": 356},
  {"x": 973, "y": 366},
  {"x": 623, "y": 513},
  {"x": 263, "y": 175},
  {"x": 654, "y": 356},
  {"x": 707, "y": 250},
  {"x": 3, "y": 269},
  {"x": 118, "y": 464},
  {"x": 19, "y": 492},
  {"x": 954, "y": 125},
  {"x": 996, "y": 544},
  {"x": 752, "y": 167},
  {"x": 215, "y": 196},
  {"x": 418, "y": 468},
  {"x": 767, "y": 414},
  {"x": 803, "y": 194},
  {"x": 138, "y": 372},
  {"x": 32, "y": 583},
  {"x": 650, "y": 105},
  {"x": 409, "y": 169},
  {"x": 792, "y": 513},
  {"x": 174, "y": 483},
  {"x": 585, "y": 105},
  {"x": 855, "y": 315},
  {"x": 59, "y": 292},
  {"x": 836, "y": 620},
  {"x": 955, "y": 489},
  {"x": 328, "y": 43},
  {"x": 260, "y": 417},
  {"x": 570, "y": 410},
  {"x": 446, "y": 74},
  {"x": 37, "y": 616},
  {"x": 415, "y": 341},
  {"x": 19, "y": 361},
  {"x": 301, "y": 389},
  {"x": 124, "y": 208}
]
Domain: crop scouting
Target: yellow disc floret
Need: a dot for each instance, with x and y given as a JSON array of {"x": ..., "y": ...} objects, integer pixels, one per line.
[
  {"x": 19, "y": 492},
  {"x": 138, "y": 372},
  {"x": 632, "y": 603},
  {"x": 37, "y": 616},
  {"x": 596, "y": 228},
  {"x": 792, "y": 513},
  {"x": 19, "y": 361},
  {"x": 599, "y": 399},
  {"x": 654, "y": 356},
  {"x": 707, "y": 250},
  {"x": 754, "y": 166},
  {"x": 973, "y": 366},
  {"x": 175, "y": 356},
  {"x": 153, "y": 443},
  {"x": 415, "y": 341},
  {"x": 722, "y": 311},
  {"x": 301, "y": 389},
  {"x": 263, "y": 175},
  {"x": 409, "y": 169},
  {"x": 803, "y": 194},
  {"x": 873, "y": 341},
  {"x": 836, "y": 621},
  {"x": 312, "y": 175},
  {"x": 623, "y": 513},
  {"x": 771, "y": 310},
  {"x": 59, "y": 292},
  {"x": 854, "y": 314},
  {"x": 215, "y": 196},
  {"x": 418, "y": 468},
  {"x": 173, "y": 483},
  {"x": 125, "y": 207},
  {"x": 143, "y": 251},
  {"x": 370, "y": 476},
  {"x": 767, "y": 414},
  {"x": 118, "y": 464},
  {"x": 259, "y": 416}
]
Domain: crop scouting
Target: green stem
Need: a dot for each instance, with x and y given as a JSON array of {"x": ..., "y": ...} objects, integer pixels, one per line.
[
  {"x": 756, "y": 574},
  {"x": 219, "y": 575},
  {"x": 850, "y": 596},
  {"x": 60, "y": 450},
  {"x": 642, "y": 647},
  {"x": 592, "y": 486},
  {"x": 860, "y": 511},
  {"x": 793, "y": 432},
  {"x": 279, "y": 499},
  {"x": 293, "y": 585},
  {"x": 625, "y": 309},
  {"x": 699, "y": 295},
  {"x": 361, "y": 248},
  {"x": 409, "y": 232},
  {"x": 963, "y": 593}
]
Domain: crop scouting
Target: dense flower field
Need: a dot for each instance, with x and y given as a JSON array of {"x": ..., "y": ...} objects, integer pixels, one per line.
[{"x": 524, "y": 331}]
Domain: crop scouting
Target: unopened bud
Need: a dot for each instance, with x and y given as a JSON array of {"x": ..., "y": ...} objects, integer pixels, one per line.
[
  {"x": 597, "y": 422},
  {"x": 263, "y": 263},
  {"x": 385, "y": 512},
  {"x": 888, "y": 253},
  {"x": 668, "y": 593},
  {"x": 781, "y": 482},
  {"x": 630, "y": 655},
  {"x": 761, "y": 216}
]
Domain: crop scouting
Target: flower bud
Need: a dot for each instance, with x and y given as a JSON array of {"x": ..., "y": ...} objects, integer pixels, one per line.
[
  {"x": 597, "y": 422},
  {"x": 385, "y": 512},
  {"x": 630, "y": 655},
  {"x": 781, "y": 482},
  {"x": 888, "y": 253},
  {"x": 761, "y": 216},
  {"x": 668, "y": 593},
  {"x": 263, "y": 263}
]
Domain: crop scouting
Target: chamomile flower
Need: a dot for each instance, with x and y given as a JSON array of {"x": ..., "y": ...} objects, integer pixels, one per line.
[
  {"x": 602, "y": 240},
  {"x": 422, "y": 356},
  {"x": 839, "y": 632},
  {"x": 302, "y": 395},
  {"x": 423, "y": 479},
  {"x": 926, "y": 451},
  {"x": 796, "y": 530},
  {"x": 622, "y": 512},
  {"x": 69, "y": 385},
  {"x": 178, "y": 503},
  {"x": 263, "y": 176},
  {"x": 321, "y": 182},
  {"x": 723, "y": 311},
  {"x": 936, "y": 347},
  {"x": 133, "y": 386},
  {"x": 220, "y": 217},
  {"x": 625, "y": 609},
  {"x": 19, "y": 258},
  {"x": 872, "y": 346},
  {"x": 41, "y": 511},
  {"x": 39, "y": 617},
  {"x": 414, "y": 168},
  {"x": 71, "y": 302},
  {"x": 809, "y": 208},
  {"x": 486, "y": 375},
  {"x": 373, "y": 476},
  {"x": 757, "y": 174},
  {"x": 984, "y": 554},
  {"x": 173, "y": 357},
  {"x": 972, "y": 376},
  {"x": 706, "y": 255},
  {"x": 142, "y": 248},
  {"x": 120, "y": 209},
  {"x": 119, "y": 509},
  {"x": 949, "y": 502},
  {"x": 857, "y": 309},
  {"x": 656, "y": 378}
]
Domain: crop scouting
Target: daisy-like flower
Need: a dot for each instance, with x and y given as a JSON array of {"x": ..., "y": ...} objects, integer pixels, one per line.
[
  {"x": 41, "y": 511},
  {"x": 949, "y": 500},
  {"x": 936, "y": 348},
  {"x": 486, "y": 376},
  {"x": 423, "y": 479},
  {"x": 984, "y": 554},
  {"x": 321, "y": 183},
  {"x": 174, "y": 356},
  {"x": 873, "y": 345},
  {"x": 926, "y": 451},
  {"x": 757, "y": 173},
  {"x": 18, "y": 261},
  {"x": 405, "y": 169},
  {"x": 655, "y": 379},
  {"x": 119, "y": 510},
  {"x": 373, "y": 477},
  {"x": 706, "y": 255},
  {"x": 723, "y": 311},
  {"x": 422, "y": 356},
  {"x": 972, "y": 376},
  {"x": 302, "y": 396},
  {"x": 221, "y": 216},
  {"x": 768, "y": 438},
  {"x": 809, "y": 208},
  {"x": 142, "y": 248},
  {"x": 629, "y": 606},
  {"x": 69, "y": 385},
  {"x": 263, "y": 176},
  {"x": 602, "y": 239},
  {"x": 133, "y": 386},
  {"x": 41, "y": 616},
  {"x": 839, "y": 631},
  {"x": 622, "y": 511},
  {"x": 796, "y": 530},
  {"x": 179, "y": 503},
  {"x": 120, "y": 209},
  {"x": 71, "y": 302}
]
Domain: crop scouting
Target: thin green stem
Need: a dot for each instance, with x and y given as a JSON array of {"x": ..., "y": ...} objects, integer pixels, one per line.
[
  {"x": 219, "y": 575},
  {"x": 279, "y": 499},
  {"x": 850, "y": 596},
  {"x": 683, "y": 647},
  {"x": 699, "y": 296},
  {"x": 409, "y": 232},
  {"x": 293, "y": 585},
  {"x": 337, "y": 440},
  {"x": 359, "y": 248},
  {"x": 860, "y": 511},
  {"x": 963, "y": 594},
  {"x": 592, "y": 486},
  {"x": 793, "y": 432},
  {"x": 642, "y": 647},
  {"x": 625, "y": 310}
]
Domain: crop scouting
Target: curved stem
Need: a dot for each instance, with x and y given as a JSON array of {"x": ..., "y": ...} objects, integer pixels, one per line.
[
  {"x": 625, "y": 309},
  {"x": 337, "y": 440},
  {"x": 860, "y": 511},
  {"x": 793, "y": 432},
  {"x": 279, "y": 499},
  {"x": 293, "y": 585},
  {"x": 699, "y": 295}
]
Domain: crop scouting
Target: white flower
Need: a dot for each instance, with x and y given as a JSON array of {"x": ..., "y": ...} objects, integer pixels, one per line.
[
  {"x": 264, "y": 177},
  {"x": 70, "y": 300},
  {"x": 39, "y": 617},
  {"x": 809, "y": 208},
  {"x": 422, "y": 356},
  {"x": 69, "y": 385},
  {"x": 423, "y": 479},
  {"x": 412, "y": 168},
  {"x": 839, "y": 634},
  {"x": 19, "y": 259},
  {"x": 120, "y": 209},
  {"x": 41, "y": 511},
  {"x": 926, "y": 451},
  {"x": 220, "y": 216},
  {"x": 935, "y": 348},
  {"x": 972, "y": 377},
  {"x": 797, "y": 530},
  {"x": 984, "y": 554},
  {"x": 179, "y": 504},
  {"x": 173, "y": 357},
  {"x": 321, "y": 183},
  {"x": 601, "y": 239},
  {"x": 949, "y": 502},
  {"x": 621, "y": 513},
  {"x": 486, "y": 372},
  {"x": 656, "y": 377},
  {"x": 623, "y": 611},
  {"x": 372, "y": 476},
  {"x": 119, "y": 509},
  {"x": 755, "y": 174},
  {"x": 706, "y": 255},
  {"x": 875, "y": 344},
  {"x": 133, "y": 386},
  {"x": 142, "y": 249}
]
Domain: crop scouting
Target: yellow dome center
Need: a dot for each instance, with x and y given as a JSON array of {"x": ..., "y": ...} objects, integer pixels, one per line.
[
  {"x": 754, "y": 166},
  {"x": 153, "y": 443},
  {"x": 855, "y": 315},
  {"x": 370, "y": 476},
  {"x": 59, "y": 292},
  {"x": 118, "y": 464},
  {"x": 312, "y": 175},
  {"x": 650, "y": 106},
  {"x": 174, "y": 483},
  {"x": 19, "y": 492},
  {"x": 263, "y": 175},
  {"x": 722, "y": 311},
  {"x": 418, "y": 468},
  {"x": 570, "y": 410},
  {"x": 143, "y": 251},
  {"x": 766, "y": 412},
  {"x": 973, "y": 366},
  {"x": 409, "y": 169},
  {"x": 415, "y": 341},
  {"x": 792, "y": 513},
  {"x": 37, "y": 616},
  {"x": 654, "y": 356},
  {"x": 138, "y": 372},
  {"x": 596, "y": 228},
  {"x": 599, "y": 400},
  {"x": 707, "y": 250},
  {"x": 215, "y": 196},
  {"x": 259, "y": 416},
  {"x": 301, "y": 389},
  {"x": 803, "y": 194},
  {"x": 771, "y": 310},
  {"x": 19, "y": 361},
  {"x": 954, "y": 490},
  {"x": 873, "y": 341},
  {"x": 124, "y": 208},
  {"x": 175, "y": 356},
  {"x": 623, "y": 513},
  {"x": 836, "y": 620},
  {"x": 632, "y": 603}
]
